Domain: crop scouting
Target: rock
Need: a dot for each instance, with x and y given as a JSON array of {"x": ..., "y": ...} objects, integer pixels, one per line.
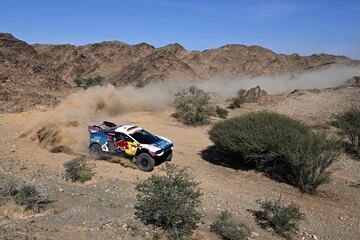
[
  {"x": 256, "y": 95},
  {"x": 315, "y": 237},
  {"x": 255, "y": 234},
  {"x": 31, "y": 221},
  {"x": 61, "y": 190},
  {"x": 354, "y": 82},
  {"x": 3, "y": 78}
]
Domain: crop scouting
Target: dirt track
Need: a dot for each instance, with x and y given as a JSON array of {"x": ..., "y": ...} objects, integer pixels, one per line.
[{"x": 100, "y": 208}]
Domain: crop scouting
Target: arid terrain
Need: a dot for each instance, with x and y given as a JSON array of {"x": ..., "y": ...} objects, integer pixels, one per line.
[
  {"x": 41, "y": 110},
  {"x": 101, "y": 208}
]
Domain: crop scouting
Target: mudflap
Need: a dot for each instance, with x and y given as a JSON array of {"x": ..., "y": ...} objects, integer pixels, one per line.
[{"x": 169, "y": 157}]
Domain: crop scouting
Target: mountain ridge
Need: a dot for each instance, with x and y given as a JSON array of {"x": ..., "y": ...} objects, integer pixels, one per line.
[{"x": 32, "y": 68}]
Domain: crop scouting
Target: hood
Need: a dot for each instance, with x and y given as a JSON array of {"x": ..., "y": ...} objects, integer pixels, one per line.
[{"x": 161, "y": 144}]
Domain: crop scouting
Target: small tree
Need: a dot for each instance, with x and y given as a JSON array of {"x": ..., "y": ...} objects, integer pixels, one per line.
[
  {"x": 284, "y": 147},
  {"x": 221, "y": 112},
  {"x": 78, "y": 169},
  {"x": 169, "y": 202},
  {"x": 236, "y": 102},
  {"x": 29, "y": 197},
  {"x": 228, "y": 228},
  {"x": 305, "y": 164},
  {"x": 193, "y": 106},
  {"x": 349, "y": 123},
  {"x": 283, "y": 219}
]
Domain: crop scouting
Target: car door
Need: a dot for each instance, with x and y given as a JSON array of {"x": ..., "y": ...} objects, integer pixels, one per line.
[
  {"x": 126, "y": 144},
  {"x": 121, "y": 142}
]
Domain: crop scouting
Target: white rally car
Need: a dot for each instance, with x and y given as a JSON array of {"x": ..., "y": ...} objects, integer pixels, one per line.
[{"x": 130, "y": 141}]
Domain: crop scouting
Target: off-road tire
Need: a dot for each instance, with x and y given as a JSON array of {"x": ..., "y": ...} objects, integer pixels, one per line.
[
  {"x": 145, "y": 162},
  {"x": 96, "y": 151}
]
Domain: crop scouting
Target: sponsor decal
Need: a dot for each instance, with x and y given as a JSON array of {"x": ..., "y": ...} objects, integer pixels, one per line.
[
  {"x": 105, "y": 148},
  {"x": 162, "y": 144},
  {"x": 95, "y": 139}
]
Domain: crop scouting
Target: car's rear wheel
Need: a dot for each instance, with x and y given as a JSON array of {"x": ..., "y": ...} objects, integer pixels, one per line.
[
  {"x": 96, "y": 151},
  {"x": 145, "y": 162}
]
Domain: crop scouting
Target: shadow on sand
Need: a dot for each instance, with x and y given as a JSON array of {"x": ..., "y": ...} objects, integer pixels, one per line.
[
  {"x": 217, "y": 157},
  {"x": 124, "y": 161},
  {"x": 213, "y": 155},
  {"x": 349, "y": 149}
]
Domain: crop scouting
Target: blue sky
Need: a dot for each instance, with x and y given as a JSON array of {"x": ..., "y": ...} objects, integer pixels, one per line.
[{"x": 285, "y": 26}]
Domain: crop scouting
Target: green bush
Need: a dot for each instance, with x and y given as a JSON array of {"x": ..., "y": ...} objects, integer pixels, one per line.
[
  {"x": 193, "y": 106},
  {"x": 309, "y": 160},
  {"x": 29, "y": 197},
  {"x": 221, "y": 112},
  {"x": 283, "y": 219},
  {"x": 284, "y": 147},
  {"x": 349, "y": 123},
  {"x": 236, "y": 102},
  {"x": 228, "y": 228},
  {"x": 78, "y": 170},
  {"x": 89, "y": 82},
  {"x": 170, "y": 202}
]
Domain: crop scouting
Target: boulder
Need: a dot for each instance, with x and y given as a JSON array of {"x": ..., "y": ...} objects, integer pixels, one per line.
[
  {"x": 256, "y": 95},
  {"x": 354, "y": 82}
]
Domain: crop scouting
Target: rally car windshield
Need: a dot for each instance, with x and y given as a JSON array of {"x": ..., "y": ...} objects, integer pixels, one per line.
[{"x": 145, "y": 137}]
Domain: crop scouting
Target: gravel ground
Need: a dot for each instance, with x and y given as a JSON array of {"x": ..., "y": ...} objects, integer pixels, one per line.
[{"x": 103, "y": 207}]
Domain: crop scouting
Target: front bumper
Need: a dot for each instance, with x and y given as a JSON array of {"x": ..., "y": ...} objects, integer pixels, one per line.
[{"x": 166, "y": 156}]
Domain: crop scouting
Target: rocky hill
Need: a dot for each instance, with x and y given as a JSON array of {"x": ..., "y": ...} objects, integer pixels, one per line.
[
  {"x": 37, "y": 74},
  {"x": 139, "y": 64}
]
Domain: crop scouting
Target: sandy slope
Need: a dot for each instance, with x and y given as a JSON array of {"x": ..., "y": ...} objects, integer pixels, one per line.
[{"x": 99, "y": 209}]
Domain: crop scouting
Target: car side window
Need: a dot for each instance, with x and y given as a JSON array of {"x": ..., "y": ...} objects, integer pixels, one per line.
[
  {"x": 121, "y": 136},
  {"x": 127, "y": 138}
]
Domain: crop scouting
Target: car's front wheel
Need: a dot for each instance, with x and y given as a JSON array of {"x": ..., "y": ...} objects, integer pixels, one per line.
[
  {"x": 96, "y": 151},
  {"x": 145, "y": 162}
]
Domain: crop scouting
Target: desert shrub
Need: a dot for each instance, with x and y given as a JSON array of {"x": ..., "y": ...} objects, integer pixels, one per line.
[
  {"x": 193, "y": 106},
  {"x": 349, "y": 123},
  {"x": 228, "y": 228},
  {"x": 78, "y": 170},
  {"x": 169, "y": 201},
  {"x": 283, "y": 219},
  {"x": 30, "y": 198},
  {"x": 221, "y": 112},
  {"x": 7, "y": 188},
  {"x": 286, "y": 148},
  {"x": 236, "y": 102},
  {"x": 89, "y": 82},
  {"x": 308, "y": 161}
]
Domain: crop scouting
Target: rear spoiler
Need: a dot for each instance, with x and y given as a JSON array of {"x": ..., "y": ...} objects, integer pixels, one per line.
[
  {"x": 96, "y": 128},
  {"x": 109, "y": 124}
]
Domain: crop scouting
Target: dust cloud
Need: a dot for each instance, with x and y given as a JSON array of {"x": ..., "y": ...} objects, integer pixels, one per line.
[
  {"x": 64, "y": 128},
  {"x": 325, "y": 78}
]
